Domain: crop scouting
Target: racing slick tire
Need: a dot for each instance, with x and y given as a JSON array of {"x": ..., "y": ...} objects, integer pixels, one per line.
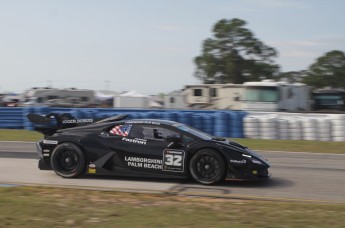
[
  {"x": 68, "y": 160},
  {"x": 207, "y": 167}
]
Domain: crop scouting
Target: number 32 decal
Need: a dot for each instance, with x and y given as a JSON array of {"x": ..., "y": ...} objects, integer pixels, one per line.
[{"x": 173, "y": 160}]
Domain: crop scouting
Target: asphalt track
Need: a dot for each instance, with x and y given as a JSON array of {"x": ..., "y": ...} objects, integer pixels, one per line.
[{"x": 295, "y": 177}]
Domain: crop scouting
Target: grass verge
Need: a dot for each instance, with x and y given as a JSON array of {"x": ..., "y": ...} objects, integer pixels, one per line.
[
  {"x": 19, "y": 135},
  {"x": 294, "y": 145},
  {"x": 255, "y": 144},
  {"x": 57, "y": 207}
]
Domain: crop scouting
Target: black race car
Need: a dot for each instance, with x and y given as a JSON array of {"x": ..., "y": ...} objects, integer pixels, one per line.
[{"x": 142, "y": 147}]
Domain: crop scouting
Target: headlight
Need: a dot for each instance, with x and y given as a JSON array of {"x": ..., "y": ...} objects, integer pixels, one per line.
[{"x": 256, "y": 161}]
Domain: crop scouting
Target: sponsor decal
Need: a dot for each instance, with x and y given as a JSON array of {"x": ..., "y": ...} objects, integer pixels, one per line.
[
  {"x": 255, "y": 161},
  {"x": 147, "y": 163},
  {"x": 92, "y": 168},
  {"x": 243, "y": 161},
  {"x": 173, "y": 160},
  {"x": 77, "y": 121},
  {"x": 136, "y": 140},
  {"x": 46, "y": 154},
  {"x": 143, "y": 122},
  {"x": 122, "y": 130},
  {"x": 51, "y": 142},
  {"x": 46, "y": 151}
]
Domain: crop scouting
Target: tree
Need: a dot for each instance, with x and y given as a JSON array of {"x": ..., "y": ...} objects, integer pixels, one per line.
[
  {"x": 234, "y": 55},
  {"x": 327, "y": 71},
  {"x": 292, "y": 76}
]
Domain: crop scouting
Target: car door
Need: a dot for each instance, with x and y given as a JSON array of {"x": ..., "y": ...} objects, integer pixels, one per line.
[{"x": 144, "y": 148}]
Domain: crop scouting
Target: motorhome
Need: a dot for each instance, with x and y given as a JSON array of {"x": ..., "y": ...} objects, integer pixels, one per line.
[
  {"x": 333, "y": 99},
  {"x": 174, "y": 100},
  {"x": 270, "y": 95},
  {"x": 10, "y": 100},
  {"x": 266, "y": 95},
  {"x": 214, "y": 96},
  {"x": 71, "y": 97}
]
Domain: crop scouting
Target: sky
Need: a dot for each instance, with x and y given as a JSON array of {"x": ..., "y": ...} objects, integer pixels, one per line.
[{"x": 149, "y": 45}]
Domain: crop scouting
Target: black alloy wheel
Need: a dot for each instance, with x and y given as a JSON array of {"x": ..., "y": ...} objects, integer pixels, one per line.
[
  {"x": 207, "y": 167},
  {"x": 67, "y": 160}
]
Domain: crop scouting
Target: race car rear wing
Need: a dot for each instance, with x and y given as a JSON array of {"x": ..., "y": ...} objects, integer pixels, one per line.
[{"x": 50, "y": 123}]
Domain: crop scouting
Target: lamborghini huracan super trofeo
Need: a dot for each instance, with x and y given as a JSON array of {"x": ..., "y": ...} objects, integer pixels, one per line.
[{"x": 141, "y": 148}]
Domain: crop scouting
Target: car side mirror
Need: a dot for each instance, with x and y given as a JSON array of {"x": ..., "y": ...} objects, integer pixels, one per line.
[{"x": 173, "y": 139}]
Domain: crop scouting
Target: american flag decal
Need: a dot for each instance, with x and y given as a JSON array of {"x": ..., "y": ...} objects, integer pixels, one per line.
[{"x": 122, "y": 130}]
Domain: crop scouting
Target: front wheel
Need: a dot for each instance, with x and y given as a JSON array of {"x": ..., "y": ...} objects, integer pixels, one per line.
[
  {"x": 67, "y": 160},
  {"x": 207, "y": 167}
]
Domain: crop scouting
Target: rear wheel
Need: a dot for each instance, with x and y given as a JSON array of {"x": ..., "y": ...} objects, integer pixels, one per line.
[
  {"x": 207, "y": 167},
  {"x": 67, "y": 160}
]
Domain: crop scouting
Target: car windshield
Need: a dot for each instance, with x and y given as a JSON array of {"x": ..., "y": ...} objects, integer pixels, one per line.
[{"x": 194, "y": 132}]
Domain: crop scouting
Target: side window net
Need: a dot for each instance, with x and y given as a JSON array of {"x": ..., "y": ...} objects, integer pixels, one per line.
[
  {"x": 157, "y": 133},
  {"x": 137, "y": 132}
]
